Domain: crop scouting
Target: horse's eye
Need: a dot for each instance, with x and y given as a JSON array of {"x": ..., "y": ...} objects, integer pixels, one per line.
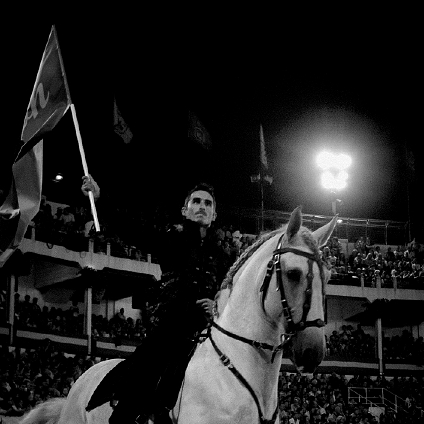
[{"x": 294, "y": 274}]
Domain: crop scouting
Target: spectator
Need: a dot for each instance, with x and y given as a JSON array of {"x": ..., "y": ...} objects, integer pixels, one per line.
[
  {"x": 67, "y": 220},
  {"x": 25, "y": 309},
  {"x": 120, "y": 316},
  {"x": 35, "y": 308},
  {"x": 57, "y": 219},
  {"x": 44, "y": 219}
]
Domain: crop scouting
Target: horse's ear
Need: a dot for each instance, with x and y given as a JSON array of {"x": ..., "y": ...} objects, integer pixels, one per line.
[
  {"x": 323, "y": 233},
  {"x": 294, "y": 223}
]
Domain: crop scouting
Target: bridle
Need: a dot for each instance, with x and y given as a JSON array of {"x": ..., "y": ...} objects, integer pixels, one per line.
[{"x": 291, "y": 327}]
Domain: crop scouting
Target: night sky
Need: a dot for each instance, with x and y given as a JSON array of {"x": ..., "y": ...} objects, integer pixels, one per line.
[{"x": 355, "y": 94}]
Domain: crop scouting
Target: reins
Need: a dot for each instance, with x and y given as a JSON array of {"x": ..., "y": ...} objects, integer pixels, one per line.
[{"x": 254, "y": 343}]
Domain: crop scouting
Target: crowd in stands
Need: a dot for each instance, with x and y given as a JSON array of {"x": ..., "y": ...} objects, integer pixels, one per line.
[
  {"x": 72, "y": 227},
  {"x": 323, "y": 398},
  {"x": 34, "y": 375},
  {"x": 403, "y": 266},
  {"x": 350, "y": 344},
  {"x": 31, "y": 376},
  {"x": 347, "y": 344}
]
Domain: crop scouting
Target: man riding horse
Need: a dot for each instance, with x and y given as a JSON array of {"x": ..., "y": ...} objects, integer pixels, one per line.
[{"x": 193, "y": 266}]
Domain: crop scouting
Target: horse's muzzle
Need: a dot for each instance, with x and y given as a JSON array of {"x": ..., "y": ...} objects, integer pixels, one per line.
[{"x": 308, "y": 347}]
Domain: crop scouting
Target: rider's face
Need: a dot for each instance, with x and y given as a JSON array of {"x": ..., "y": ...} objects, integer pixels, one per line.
[{"x": 200, "y": 208}]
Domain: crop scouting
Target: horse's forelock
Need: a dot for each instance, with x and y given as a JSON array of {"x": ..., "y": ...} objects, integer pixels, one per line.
[
  {"x": 305, "y": 234},
  {"x": 309, "y": 240}
]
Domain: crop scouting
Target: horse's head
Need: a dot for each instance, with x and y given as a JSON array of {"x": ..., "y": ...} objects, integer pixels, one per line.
[
  {"x": 302, "y": 280},
  {"x": 287, "y": 285}
]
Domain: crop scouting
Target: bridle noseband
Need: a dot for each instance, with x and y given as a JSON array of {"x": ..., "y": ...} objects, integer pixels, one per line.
[{"x": 291, "y": 327}]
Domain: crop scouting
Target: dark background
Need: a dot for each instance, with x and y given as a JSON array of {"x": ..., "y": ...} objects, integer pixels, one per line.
[{"x": 356, "y": 91}]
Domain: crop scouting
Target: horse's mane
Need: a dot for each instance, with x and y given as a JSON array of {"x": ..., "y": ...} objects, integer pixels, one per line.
[
  {"x": 228, "y": 280},
  {"x": 304, "y": 232}
]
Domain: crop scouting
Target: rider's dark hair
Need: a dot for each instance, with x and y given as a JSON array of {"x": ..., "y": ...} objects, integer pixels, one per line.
[{"x": 203, "y": 187}]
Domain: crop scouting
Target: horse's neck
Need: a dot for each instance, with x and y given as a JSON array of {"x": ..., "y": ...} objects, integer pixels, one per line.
[
  {"x": 254, "y": 364},
  {"x": 243, "y": 315},
  {"x": 242, "y": 311}
]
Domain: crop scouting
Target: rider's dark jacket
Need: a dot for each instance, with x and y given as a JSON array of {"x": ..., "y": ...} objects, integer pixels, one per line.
[{"x": 192, "y": 268}]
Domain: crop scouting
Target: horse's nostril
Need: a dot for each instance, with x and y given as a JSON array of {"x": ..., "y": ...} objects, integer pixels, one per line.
[{"x": 309, "y": 360}]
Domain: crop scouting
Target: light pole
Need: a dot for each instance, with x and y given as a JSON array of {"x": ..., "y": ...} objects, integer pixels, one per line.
[{"x": 335, "y": 202}]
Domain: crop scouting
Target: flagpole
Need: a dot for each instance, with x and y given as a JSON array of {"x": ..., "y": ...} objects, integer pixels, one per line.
[
  {"x": 262, "y": 200},
  {"x": 85, "y": 167},
  {"x": 263, "y": 163},
  {"x": 77, "y": 130}
]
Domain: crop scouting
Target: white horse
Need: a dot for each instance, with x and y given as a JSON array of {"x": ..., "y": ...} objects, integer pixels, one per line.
[{"x": 273, "y": 293}]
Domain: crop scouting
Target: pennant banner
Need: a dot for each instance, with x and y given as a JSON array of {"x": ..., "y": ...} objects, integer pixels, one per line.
[
  {"x": 48, "y": 103},
  {"x": 264, "y": 160},
  {"x": 120, "y": 126},
  {"x": 197, "y": 132},
  {"x": 263, "y": 175}
]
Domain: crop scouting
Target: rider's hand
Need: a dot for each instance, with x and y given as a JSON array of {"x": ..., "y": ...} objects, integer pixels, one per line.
[
  {"x": 206, "y": 305},
  {"x": 88, "y": 184}
]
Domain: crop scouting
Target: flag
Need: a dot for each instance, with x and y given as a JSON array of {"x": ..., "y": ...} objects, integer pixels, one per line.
[
  {"x": 264, "y": 160},
  {"x": 49, "y": 99},
  {"x": 198, "y": 132},
  {"x": 22, "y": 202},
  {"x": 263, "y": 175},
  {"x": 48, "y": 103},
  {"x": 120, "y": 126}
]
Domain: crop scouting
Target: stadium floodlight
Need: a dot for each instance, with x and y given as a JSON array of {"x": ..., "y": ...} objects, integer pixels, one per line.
[
  {"x": 327, "y": 160},
  {"x": 334, "y": 176}
]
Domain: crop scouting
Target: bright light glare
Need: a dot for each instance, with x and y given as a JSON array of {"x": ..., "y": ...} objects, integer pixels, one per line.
[
  {"x": 327, "y": 160},
  {"x": 342, "y": 175},
  {"x": 334, "y": 181},
  {"x": 344, "y": 161}
]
